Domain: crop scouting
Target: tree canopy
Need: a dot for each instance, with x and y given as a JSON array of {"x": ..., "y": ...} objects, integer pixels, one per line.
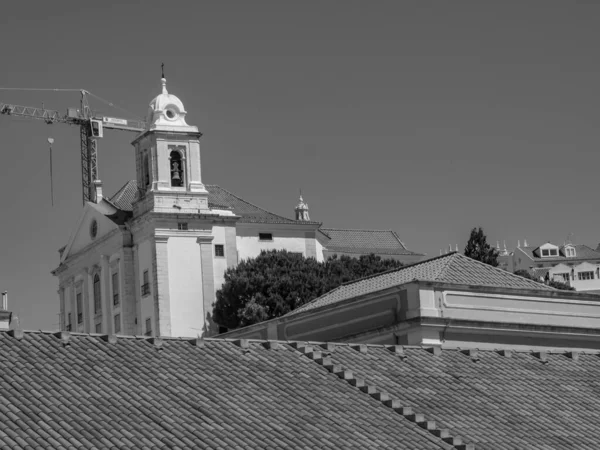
[
  {"x": 478, "y": 248},
  {"x": 277, "y": 282}
]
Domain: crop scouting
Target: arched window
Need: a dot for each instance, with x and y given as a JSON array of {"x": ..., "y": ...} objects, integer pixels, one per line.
[
  {"x": 146, "y": 170},
  {"x": 176, "y": 169},
  {"x": 97, "y": 296}
]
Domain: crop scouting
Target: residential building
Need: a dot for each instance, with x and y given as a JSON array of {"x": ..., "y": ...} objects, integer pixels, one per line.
[
  {"x": 576, "y": 265},
  {"x": 149, "y": 259}
]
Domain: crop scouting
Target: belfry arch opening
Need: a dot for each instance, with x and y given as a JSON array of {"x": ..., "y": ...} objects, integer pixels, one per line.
[{"x": 176, "y": 169}]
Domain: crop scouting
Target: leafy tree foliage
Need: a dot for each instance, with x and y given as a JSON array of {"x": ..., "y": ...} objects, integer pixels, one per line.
[
  {"x": 478, "y": 248},
  {"x": 277, "y": 282},
  {"x": 551, "y": 283}
]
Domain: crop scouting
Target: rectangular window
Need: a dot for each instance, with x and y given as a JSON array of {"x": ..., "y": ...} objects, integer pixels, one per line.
[
  {"x": 565, "y": 276},
  {"x": 545, "y": 252},
  {"x": 117, "y": 323},
  {"x": 145, "y": 284},
  {"x": 585, "y": 275},
  {"x": 69, "y": 322},
  {"x": 148, "y": 327},
  {"x": 219, "y": 250},
  {"x": 553, "y": 252},
  {"x": 79, "y": 308},
  {"x": 98, "y": 328},
  {"x": 182, "y": 226},
  {"x": 265, "y": 236},
  {"x": 115, "y": 288}
]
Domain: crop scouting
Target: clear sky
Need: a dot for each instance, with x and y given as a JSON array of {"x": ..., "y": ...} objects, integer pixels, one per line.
[{"x": 425, "y": 117}]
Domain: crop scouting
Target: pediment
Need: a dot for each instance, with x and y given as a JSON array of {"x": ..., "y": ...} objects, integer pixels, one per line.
[
  {"x": 92, "y": 226},
  {"x": 560, "y": 268},
  {"x": 585, "y": 266}
]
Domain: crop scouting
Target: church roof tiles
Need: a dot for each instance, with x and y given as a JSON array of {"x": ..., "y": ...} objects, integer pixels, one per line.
[
  {"x": 384, "y": 242},
  {"x": 218, "y": 198},
  {"x": 88, "y": 391},
  {"x": 222, "y": 198}
]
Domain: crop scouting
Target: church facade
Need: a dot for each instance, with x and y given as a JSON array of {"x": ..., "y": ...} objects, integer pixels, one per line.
[{"x": 149, "y": 259}]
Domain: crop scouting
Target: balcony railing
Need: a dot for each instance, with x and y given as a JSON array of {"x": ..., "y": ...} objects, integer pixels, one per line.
[{"x": 146, "y": 289}]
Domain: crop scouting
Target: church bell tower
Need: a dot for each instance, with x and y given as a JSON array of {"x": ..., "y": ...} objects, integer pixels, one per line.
[{"x": 168, "y": 160}]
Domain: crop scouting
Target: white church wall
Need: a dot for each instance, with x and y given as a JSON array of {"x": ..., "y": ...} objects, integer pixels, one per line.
[
  {"x": 185, "y": 286},
  {"x": 283, "y": 238},
  {"x": 219, "y": 262}
]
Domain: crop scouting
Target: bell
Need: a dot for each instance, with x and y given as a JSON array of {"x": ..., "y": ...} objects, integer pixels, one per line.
[{"x": 176, "y": 175}]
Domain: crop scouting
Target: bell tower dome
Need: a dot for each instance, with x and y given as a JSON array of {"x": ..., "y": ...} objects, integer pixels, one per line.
[
  {"x": 301, "y": 210},
  {"x": 168, "y": 160}
]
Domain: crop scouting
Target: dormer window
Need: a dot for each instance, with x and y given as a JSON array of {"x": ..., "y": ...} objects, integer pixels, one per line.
[
  {"x": 548, "y": 250},
  {"x": 570, "y": 252}
]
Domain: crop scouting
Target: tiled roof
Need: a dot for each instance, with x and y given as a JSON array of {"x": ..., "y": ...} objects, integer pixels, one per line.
[
  {"x": 86, "y": 393},
  {"x": 540, "y": 272},
  {"x": 450, "y": 268},
  {"x": 124, "y": 197},
  {"x": 218, "y": 198},
  {"x": 583, "y": 252},
  {"x": 365, "y": 241},
  {"x": 92, "y": 392},
  {"x": 222, "y": 198}
]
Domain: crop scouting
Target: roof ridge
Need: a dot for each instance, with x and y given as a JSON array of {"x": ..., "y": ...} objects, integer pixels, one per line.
[
  {"x": 442, "y": 271},
  {"x": 426, "y": 347},
  {"x": 393, "y": 270},
  {"x": 355, "y": 229},
  {"x": 497, "y": 269}
]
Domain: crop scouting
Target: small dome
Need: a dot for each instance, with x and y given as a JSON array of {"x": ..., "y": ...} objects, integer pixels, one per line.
[{"x": 167, "y": 112}]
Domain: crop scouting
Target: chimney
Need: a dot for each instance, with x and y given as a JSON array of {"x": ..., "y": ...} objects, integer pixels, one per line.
[{"x": 5, "y": 315}]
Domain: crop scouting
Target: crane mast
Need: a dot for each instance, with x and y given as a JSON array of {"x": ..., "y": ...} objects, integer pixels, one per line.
[{"x": 90, "y": 130}]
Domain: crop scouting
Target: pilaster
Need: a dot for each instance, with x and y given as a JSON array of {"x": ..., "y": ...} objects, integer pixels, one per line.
[
  {"x": 161, "y": 286},
  {"x": 85, "y": 293},
  {"x": 71, "y": 288},
  {"x": 128, "y": 292},
  {"x": 105, "y": 295},
  {"x": 208, "y": 282}
]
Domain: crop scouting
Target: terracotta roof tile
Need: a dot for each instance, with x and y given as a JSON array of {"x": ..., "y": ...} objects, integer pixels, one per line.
[
  {"x": 451, "y": 268},
  {"x": 365, "y": 241},
  {"x": 124, "y": 197},
  {"x": 222, "y": 198},
  {"x": 218, "y": 198},
  {"x": 132, "y": 394}
]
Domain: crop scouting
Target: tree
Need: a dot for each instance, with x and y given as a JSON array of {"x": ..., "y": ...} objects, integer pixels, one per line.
[
  {"x": 277, "y": 282},
  {"x": 552, "y": 283},
  {"x": 477, "y": 248}
]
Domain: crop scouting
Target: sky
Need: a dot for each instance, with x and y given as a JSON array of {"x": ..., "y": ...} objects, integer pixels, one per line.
[{"x": 425, "y": 117}]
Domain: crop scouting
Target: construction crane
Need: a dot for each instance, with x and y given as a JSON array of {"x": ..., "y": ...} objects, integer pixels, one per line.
[{"x": 91, "y": 128}]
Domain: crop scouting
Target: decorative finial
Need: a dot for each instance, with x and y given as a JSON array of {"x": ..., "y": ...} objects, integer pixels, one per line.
[
  {"x": 456, "y": 247},
  {"x": 525, "y": 243},
  {"x": 519, "y": 243},
  {"x": 163, "y": 80}
]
